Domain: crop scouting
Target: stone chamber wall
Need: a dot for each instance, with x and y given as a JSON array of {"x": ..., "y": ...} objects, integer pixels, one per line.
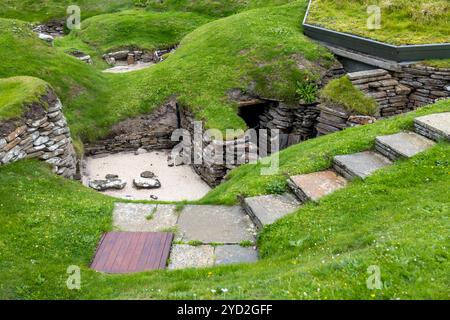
[
  {"x": 150, "y": 132},
  {"x": 41, "y": 133},
  {"x": 215, "y": 164}
]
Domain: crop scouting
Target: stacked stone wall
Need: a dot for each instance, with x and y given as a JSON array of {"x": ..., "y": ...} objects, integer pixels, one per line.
[{"x": 41, "y": 133}]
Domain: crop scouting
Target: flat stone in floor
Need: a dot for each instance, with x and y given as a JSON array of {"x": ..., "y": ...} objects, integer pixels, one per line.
[
  {"x": 130, "y": 252},
  {"x": 135, "y": 217},
  {"x": 232, "y": 254},
  {"x": 313, "y": 186},
  {"x": 185, "y": 256},
  {"x": 434, "y": 126},
  {"x": 402, "y": 145},
  {"x": 215, "y": 224},
  {"x": 360, "y": 165},
  {"x": 267, "y": 209}
]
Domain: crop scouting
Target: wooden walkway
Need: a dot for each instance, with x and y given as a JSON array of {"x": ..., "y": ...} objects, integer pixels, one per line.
[{"x": 129, "y": 252}]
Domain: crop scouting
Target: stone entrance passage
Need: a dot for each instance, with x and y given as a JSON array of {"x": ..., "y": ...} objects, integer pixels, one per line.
[{"x": 178, "y": 183}]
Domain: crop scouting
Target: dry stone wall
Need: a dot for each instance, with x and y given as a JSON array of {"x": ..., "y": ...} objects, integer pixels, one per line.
[
  {"x": 427, "y": 84},
  {"x": 41, "y": 133},
  {"x": 150, "y": 132},
  {"x": 218, "y": 157},
  {"x": 388, "y": 92},
  {"x": 395, "y": 93}
]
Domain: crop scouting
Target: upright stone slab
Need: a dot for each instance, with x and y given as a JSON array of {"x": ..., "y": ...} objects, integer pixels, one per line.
[
  {"x": 215, "y": 224},
  {"x": 402, "y": 145},
  {"x": 360, "y": 165},
  {"x": 434, "y": 126},
  {"x": 316, "y": 185},
  {"x": 232, "y": 254},
  {"x": 267, "y": 209}
]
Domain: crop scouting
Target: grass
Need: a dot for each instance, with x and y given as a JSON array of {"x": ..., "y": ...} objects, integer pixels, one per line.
[
  {"x": 261, "y": 50},
  {"x": 48, "y": 224},
  {"x": 438, "y": 63},
  {"x": 45, "y": 10},
  {"x": 343, "y": 93},
  {"x": 211, "y": 8},
  {"x": 18, "y": 92},
  {"x": 403, "y": 22}
]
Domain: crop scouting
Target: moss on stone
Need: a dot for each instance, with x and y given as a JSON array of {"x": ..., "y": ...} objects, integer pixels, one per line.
[
  {"x": 343, "y": 93},
  {"x": 18, "y": 92}
]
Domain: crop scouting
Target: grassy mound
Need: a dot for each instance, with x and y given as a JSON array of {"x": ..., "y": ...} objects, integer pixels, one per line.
[
  {"x": 261, "y": 50},
  {"x": 343, "y": 93},
  {"x": 48, "y": 224},
  {"x": 44, "y": 10},
  {"x": 17, "y": 92},
  {"x": 403, "y": 22},
  {"x": 139, "y": 29}
]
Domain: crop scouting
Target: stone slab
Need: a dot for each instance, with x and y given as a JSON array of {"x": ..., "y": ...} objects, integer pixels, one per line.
[
  {"x": 185, "y": 256},
  {"x": 267, "y": 209},
  {"x": 316, "y": 185},
  {"x": 434, "y": 126},
  {"x": 402, "y": 145},
  {"x": 215, "y": 224},
  {"x": 144, "y": 218},
  {"x": 232, "y": 254},
  {"x": 360, "y": 165}
]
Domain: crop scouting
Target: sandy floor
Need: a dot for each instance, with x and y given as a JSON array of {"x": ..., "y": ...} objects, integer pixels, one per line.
[
  {"x": 129, "y": 68},
  {"x": 178, "y": 183}
]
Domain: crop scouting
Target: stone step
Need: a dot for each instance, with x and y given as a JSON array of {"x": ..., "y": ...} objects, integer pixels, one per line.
[
  {"x": 214, "y": 224},
  {"x": 434, "y": 126},
  {"x": 360, "y": 165},
  {"x": 313, "y": 186},
  {"x": 264, "y": 210},
  {"x": 402, "y": 145}
]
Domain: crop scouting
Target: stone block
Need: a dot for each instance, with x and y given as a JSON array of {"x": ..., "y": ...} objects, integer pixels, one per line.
[
  {"x": 313, "y": 186},
  {"x": 360, "y": 165}
]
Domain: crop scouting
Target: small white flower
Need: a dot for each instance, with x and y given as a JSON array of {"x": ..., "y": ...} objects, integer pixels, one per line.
[
  {"x": 224, "y": 290},
  {"x": 213, "y": 291}
]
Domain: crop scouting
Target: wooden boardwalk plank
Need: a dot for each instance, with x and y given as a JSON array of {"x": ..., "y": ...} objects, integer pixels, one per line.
[{"x": 129, "y": 252}]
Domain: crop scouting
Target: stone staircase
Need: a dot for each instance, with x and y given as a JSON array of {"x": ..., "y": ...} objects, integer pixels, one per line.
[{"x": 265, "y": 210}]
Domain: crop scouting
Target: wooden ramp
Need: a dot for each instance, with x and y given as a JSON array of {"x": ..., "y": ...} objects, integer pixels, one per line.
[{"x": 129, "y": 252}]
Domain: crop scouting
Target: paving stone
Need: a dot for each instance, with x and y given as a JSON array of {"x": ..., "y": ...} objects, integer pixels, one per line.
[
  {"x": 185, "y": 256},
  {"x": 360, "y": 165},
  {"x": 231, "y": 254},
  {"x": 144, "y": 218},
  {"x": 402, "y": 145},
  {"x": 315, "y": 185},
  {"x": 434, "y": 126},
  {"x": 215, "y": 224},
  {"x": 367, "y": 74},
  {"x": 267, "y": 209}
]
